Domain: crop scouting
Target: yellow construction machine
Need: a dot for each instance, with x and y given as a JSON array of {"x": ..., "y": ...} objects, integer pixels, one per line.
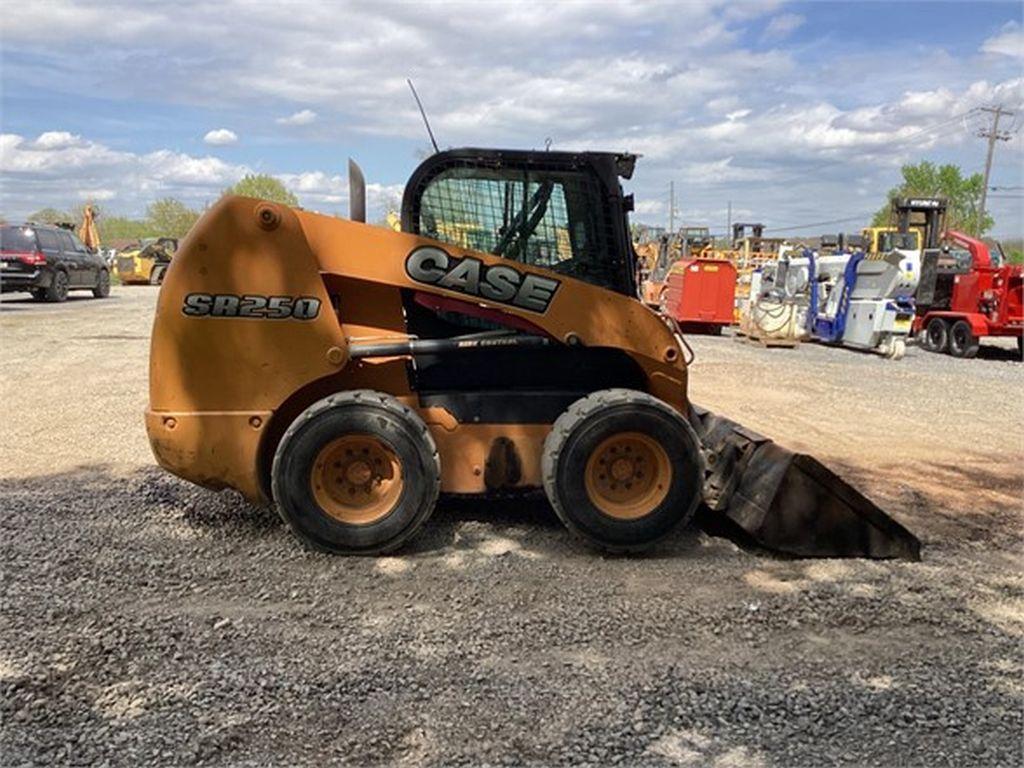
[
  {"x": 146, "y": 262},
  {"x": 350, "y": 374},
  {"x": 889, "y": 239}
]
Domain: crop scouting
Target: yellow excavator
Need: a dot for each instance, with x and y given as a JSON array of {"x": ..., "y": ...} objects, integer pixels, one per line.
[{"x": 349, "y": 374}]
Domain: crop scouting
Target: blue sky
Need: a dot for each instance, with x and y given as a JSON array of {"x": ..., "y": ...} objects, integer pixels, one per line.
[{"x": 795, "y": 112}]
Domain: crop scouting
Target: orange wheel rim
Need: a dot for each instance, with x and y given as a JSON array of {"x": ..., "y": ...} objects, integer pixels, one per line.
[
  {"x": 628, "y": 476},
  {"x": 357, "y": 479}
]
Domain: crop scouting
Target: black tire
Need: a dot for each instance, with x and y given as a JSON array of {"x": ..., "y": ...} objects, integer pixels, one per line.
[
  {"x": 39, "y": 294},
  {"x": 936, "y": 335},
  {"x": 102, "y": 287},
  {"x": 577, "y": 437},
  {"x": 156, "y": 275},
  {"x": 58, "y": 289},
  {"x": 1020, "y": 346},
  {"x": 962, "y": 341},
  {"x": 359, "y": 414}
]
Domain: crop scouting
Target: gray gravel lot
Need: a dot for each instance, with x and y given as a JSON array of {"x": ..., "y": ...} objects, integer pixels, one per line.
[{"x": 149, "y": 621}]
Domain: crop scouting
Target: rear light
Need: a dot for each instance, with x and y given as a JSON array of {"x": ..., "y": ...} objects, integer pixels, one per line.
[{"x": 34, "y": 258}]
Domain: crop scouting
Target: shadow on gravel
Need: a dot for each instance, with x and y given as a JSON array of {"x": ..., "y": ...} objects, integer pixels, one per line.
[
  {"x": 1005, "y": 354},
  {"x": 101, "y": 497},
  {"x": 945, "y": 503},
  {"x": 942, "y": 503}
]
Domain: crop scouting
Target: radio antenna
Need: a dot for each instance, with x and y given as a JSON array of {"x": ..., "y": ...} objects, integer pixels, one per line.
[{"x": 422, "y": 113}]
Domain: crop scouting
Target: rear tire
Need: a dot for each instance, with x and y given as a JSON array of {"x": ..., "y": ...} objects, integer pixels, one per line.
[
  {"x": 622, "y": 470},
  {"x": 58, "y": 290},
  {"x": 962, "y": 341},
  {"x": 102, "y": 288},
  {"x": 936, "y": 335},
  {"x": 356, "y": 473}
]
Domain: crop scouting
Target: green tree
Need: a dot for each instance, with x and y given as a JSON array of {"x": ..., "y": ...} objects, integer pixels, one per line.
[
  {"x": 121, "y": 228},
  {"x": 929, "y": 180},
  {"x": 49, "y": 216},
  {"x": 170, "y": 218},
  {"x": 264, "y": 187}
]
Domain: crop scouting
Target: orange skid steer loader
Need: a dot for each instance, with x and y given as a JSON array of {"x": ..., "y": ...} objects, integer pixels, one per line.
[{"x": 350, "y": 374}]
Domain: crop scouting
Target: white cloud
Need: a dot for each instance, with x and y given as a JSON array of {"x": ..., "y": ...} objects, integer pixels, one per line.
[
  {"x": 689, "y": 85},
  {"x": 97, "y": 195},
  {"x": 57, "y": 140},
  {"x": 40, "y": 172},
  {"x": 651, "y": 207},
  {"x": 783, "y": 25},
  {"x": 1009, "y": 42},
  {"x": 302, "y": 117},
  {"x": 56, "y": 165},
  {"x": 220, "y": 137}
]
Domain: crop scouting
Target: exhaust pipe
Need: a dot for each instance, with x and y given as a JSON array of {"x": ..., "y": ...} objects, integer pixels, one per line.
[
  {"x": 790, "y": 502},
  {"x": 356, "y": 192}
]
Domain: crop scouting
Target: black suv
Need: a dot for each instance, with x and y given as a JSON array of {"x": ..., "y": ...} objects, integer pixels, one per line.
[{"x": 49, "y": 261}]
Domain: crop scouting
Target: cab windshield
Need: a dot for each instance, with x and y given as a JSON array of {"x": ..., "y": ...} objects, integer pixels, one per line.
[
  {"x": 901, "y": 241},
  {"x": 551, "y": 219}
]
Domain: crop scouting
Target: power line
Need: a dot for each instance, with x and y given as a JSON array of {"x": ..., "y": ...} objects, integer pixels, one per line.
[{"x": 861, "y": 217}]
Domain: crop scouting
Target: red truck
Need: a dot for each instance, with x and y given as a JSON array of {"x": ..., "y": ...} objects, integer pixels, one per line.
[{"x": 963, "y": 297}]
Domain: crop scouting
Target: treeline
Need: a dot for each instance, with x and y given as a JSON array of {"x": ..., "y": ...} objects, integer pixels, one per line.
[{"x": 167, "y": 217}]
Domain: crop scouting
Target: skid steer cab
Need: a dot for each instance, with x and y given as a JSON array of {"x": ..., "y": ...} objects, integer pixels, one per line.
[{"x": 350, "y": 374}]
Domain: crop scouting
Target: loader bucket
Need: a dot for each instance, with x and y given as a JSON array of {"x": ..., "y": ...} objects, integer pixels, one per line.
[{"x": 790, "y": 502}]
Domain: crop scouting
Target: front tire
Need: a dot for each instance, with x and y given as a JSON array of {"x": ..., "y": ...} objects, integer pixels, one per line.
[
  {"x": 58, "y": 289},
  {"x": 156, "y": 276},
  {"x": 622, "y": 470},
  {"x": 962, "y": 341},
  {"x": 39, "y": 294},
  {"x": 102, "y": 288},
  {"x": 356, "y": 473}
]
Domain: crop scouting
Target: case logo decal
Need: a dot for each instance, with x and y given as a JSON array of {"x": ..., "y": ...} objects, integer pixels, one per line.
[{"x": 501, "y": 283}]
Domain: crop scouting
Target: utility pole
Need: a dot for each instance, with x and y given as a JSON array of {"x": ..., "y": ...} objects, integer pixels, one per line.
[
  {"x": 671, "y": 207},
  {"x": 993, "y": 135}
]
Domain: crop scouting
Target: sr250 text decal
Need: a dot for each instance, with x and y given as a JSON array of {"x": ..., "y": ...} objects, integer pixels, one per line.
[{"x": 259, "y": 307}]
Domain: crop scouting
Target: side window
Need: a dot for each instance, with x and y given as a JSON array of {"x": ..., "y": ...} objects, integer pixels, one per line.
[
  {"x": 66, "y": 243},
  {"x": 555, "y": 220},
  {"x": 78, "y": 244},
  {"x": 48, "y": 241}
]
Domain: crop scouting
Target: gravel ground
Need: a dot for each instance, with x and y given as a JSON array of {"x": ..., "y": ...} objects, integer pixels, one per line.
[{"x": 149, "y": 621}]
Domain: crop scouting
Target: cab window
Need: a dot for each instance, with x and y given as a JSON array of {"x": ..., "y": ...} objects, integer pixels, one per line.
[{"x": 551, "y": 219}]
